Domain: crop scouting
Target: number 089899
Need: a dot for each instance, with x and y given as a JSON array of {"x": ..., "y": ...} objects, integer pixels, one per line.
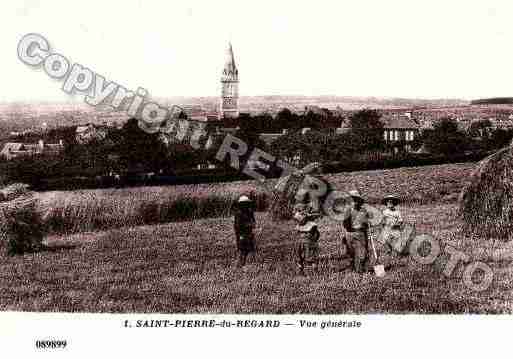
[{"x": 51, "y": 344}]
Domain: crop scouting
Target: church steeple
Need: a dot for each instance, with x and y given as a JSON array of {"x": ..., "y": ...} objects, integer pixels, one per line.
[
  {"x": 230, "y": 72},
  {"x": 230, "y": 86}
]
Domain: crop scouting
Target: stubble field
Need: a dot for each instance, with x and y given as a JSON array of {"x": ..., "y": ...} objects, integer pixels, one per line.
[
  {"x": 190, "y": 267},
  {"x": 103, "y": 209}
]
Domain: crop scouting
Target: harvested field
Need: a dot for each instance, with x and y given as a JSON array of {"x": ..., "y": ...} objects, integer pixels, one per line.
[
  {"x": 416, "y": 185},
  {"x": 189, "y": 267},
  {"x": 90, "y": 210}
]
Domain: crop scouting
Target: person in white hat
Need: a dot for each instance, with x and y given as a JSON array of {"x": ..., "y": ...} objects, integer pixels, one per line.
[
  {"x": 392, "y": 223},
  {"x": 244, "y": 225},
  {"x": 356, "y": 223},
  {"x": 307, "y": 230}
]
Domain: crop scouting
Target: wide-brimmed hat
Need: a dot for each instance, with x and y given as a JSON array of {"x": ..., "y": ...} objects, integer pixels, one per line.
[
  {"x": 305, "y": 212},
  {"x": 306, "y": 227},
  {"x": 243, "y": 199},
  {"x": 355, "y": 194},
  {"x": 311, "y": 214},
  {"x": 306, "y": 217},
  {"x": 391, "y": 197},
  {"x": 245, "y": 202},
  {"x": 299, "y": 207}
]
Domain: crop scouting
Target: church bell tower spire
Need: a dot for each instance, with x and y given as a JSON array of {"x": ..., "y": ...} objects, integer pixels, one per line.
[{"x": 230, "y": 86}]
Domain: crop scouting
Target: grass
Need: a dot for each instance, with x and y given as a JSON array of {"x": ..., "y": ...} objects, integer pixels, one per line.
[
  {"x": 111, "y": 252},
  {"x": 189, "y": 267},
  {"x": 90, "y": 210}
]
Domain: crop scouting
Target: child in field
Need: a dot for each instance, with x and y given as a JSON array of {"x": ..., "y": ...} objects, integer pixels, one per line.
[
  {"x": 244, "y": 225},
  {"x": 308, "y": 234},
  {"x": 356, "y": 224},
  {"x": 392, "y": 224}
]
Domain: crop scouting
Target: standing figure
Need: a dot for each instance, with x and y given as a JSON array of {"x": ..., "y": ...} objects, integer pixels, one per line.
[
  {"x": 392, "y": 224},
  {"x": 244, "y": 226},
  {"x": 308, "y": 238},
  {"x": 356, "y": 223}
]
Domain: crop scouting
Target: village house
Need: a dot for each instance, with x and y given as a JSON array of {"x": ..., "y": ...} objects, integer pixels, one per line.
[
  {"x": 344, "y": 127},
  {"x": 269, "y": 138},
  {"x": 87, "y": 133},
  {"x": 502, "y": 123},
  {"x": 18, "y": 149},
  {"x": 316, "y": 110},
  {"x": 399, "y": 131}
]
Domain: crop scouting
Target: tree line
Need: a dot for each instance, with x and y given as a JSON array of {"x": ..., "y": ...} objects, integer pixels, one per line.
[{"x": 129, "y": 150}]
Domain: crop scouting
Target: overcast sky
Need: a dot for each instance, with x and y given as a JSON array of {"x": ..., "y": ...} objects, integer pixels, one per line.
[{"x": 427, "y": 49}]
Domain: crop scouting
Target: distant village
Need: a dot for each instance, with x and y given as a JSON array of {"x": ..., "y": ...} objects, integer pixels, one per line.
[
  {"x": 401, "y": 126},
  {"x": 398, "y": 125}
]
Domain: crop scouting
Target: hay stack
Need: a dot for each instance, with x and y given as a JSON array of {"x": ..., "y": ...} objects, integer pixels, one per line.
[
  {"x": 486, "y": 203},
  {"x": 285, "y": 193},
  {"x": 20, "y": 221},
  {"x": 283, "y": 197}
]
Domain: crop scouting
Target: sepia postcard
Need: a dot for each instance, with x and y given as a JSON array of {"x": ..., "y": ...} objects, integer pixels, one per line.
[{"x": 236, "y": 178}]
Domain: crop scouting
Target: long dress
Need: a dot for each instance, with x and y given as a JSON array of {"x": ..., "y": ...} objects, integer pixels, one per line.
[{"x": 244, "y": 223}]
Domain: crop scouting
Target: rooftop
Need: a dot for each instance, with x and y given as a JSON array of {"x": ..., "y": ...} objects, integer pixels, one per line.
[{"x": 398, "y": 122}]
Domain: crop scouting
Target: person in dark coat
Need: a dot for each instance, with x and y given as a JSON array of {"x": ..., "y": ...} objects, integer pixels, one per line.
[{"x": 244, "y": 226}]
